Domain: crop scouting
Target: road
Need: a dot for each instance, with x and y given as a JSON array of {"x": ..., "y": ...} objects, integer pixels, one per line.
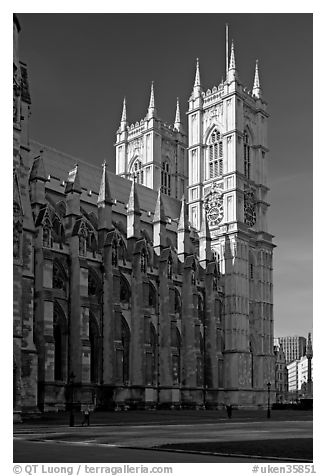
[{"x": 128, "y": 441}]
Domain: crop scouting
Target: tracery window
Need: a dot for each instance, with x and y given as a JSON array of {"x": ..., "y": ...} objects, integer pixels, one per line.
[
  {"x": 176, "y": 353},
  {"x": 166, "y": 178},
  {"x": 137, "y": 172},
  {"x": 215, "y": 155},
  {"x": 246, "y": 154},
  {"x": 115, "y": 254},
  {"x": 170, "y": 267},
  {"x": 143, "y": 262},
  {"x": 82, "y": 243},
  {"x": 47, "y": 235},
  {"x": 59, "y": 279}
]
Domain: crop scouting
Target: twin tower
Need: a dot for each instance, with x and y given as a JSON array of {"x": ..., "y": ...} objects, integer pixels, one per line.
[{"x": 221, "y": 169}]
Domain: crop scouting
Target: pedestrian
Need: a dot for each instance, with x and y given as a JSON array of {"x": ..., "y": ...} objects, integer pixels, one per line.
[
  {"x": 229, "y": 410},
  {"x": 86, "y": 416}
]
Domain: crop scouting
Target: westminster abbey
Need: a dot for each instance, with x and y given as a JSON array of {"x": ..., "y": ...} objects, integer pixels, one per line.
[{"x": 151, "y": 287}]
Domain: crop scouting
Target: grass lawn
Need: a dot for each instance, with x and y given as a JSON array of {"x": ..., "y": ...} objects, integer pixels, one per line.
[{"x": 296, "y": 448}]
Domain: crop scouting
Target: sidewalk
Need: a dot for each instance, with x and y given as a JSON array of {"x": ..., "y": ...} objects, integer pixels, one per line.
[{"x": 135, "y": 417}]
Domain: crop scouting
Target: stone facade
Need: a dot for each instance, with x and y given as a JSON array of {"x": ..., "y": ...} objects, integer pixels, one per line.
[{"x": 154, "y": 296}]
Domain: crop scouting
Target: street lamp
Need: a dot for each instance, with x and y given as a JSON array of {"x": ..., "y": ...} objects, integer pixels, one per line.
[
  {"x": 71, "y": 382},
  {"x": 268, "y": 400}
]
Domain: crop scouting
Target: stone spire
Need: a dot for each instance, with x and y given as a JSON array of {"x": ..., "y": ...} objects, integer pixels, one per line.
[
  {"x": 256, "y": 90},
  {"x": 133, "y": 213},
  {"x": 232, "y": 74},
  {"x": 197, "y": 85},
  {"x": 151, "y": 108},
  {"x": 159, "y": 225},
  {"x": 104, "y": 196},
  {"x": 123, "y": 122},
  {"x": 104, "y": 204},
  {"x": 204, "y": 241},
  {"x": 177, "y": 120},
  {"x": 183, "y": 231}
]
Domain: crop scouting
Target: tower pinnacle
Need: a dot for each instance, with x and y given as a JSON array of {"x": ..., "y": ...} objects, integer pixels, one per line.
[
  {"x": 197, "y": 86},
  {"x": 123, "y": 122},
  {"x": 177, "y": 120},
  {"x": 232, "y": 73},
  {"x": 256, "y": 90},
  {"x": 151, "y": 108}
]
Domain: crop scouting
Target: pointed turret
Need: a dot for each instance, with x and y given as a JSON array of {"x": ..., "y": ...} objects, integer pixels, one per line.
[
  {"x": 37, "y": 180},
  {"x": 177, "y": 120},
  {"x": 183, "y": 231},
  {"x": 104, "y": 196},
  {"x": 232, "y": 74},
  {"x": 197, "y": 89},
  {"x": 204, "y": 241},
  {"x": 72, "y": 191},
  {"x": 123, "y": 122},
  {"x": 159, "y": 225},
  {"x": 151, "y": 108},
  {"x": 38, "y": 170},
  {"x": 104, "y": 204},
  {"x": 133, "y": 213},
  {"x": 256, "y": 90},
  {"x": 73, "y": 182}
]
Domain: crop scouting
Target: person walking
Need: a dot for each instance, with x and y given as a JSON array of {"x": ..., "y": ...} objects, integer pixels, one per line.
[
  {"x": 229, "y": 410},
  {"x": 86, "y": 416}
]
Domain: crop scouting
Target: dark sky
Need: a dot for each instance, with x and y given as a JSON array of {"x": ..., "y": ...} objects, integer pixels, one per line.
[{"x": 81, "y": 66}]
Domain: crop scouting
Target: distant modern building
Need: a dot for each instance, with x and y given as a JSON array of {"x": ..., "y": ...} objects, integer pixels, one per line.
[
  {"x": 300, "y": 374},
  {"x": 281, "y": 373},
  {"x": 294, "y": 347}
]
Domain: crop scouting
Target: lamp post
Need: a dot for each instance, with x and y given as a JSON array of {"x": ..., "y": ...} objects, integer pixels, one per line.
[
  {"x": 268, "y": 400},
  {"x": 71, "y": 382}
]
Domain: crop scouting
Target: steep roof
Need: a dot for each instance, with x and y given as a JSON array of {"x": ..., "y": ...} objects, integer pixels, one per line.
[{"x": 57, "y": 165}]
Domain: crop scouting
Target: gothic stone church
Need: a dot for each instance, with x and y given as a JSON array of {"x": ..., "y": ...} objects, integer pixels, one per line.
[{"x": 151, "y": 287}]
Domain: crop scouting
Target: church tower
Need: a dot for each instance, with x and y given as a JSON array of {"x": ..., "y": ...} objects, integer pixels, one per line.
[
  {"x": 227, "y": 162},
  {"x": 152, "y": 152}
]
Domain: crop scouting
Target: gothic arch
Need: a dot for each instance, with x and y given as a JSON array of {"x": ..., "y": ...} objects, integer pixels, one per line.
[
  {"x": 125, "y": 290},
  {"x": 59, "y": 276},
  {"x": 125, "y": 342},
  {"x": 94, "y": 282}
]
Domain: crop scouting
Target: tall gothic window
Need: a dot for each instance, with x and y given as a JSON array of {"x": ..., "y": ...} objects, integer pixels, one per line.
[
  {"x": 166, "y": 178},
  {"x": 94, "y": 346},
  {"x": 137, "y": 172},
  {"x": 115, "y": 254},
  {"x": 143, "y": 262},
  {"x": 215, "y": 155},
  {"x": 150, "y": 353},
  {"x": 170, "y": 267},
  {"x": 82, "y": 243},
  {"x": 47, "y": 235},
  {"x": 246, "y": 154},
  {"x": 176, "y": 353}
]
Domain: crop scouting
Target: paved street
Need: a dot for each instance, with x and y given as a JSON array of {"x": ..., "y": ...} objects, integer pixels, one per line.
[{"x": 78, "y": 443}]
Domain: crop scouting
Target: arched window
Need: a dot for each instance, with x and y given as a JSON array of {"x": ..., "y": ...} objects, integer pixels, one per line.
[
  {"x": 251, "y": 266},
  {"x": 201, "y": 313},
  {"x": 137, "y": 172},
  {"x": 82, "y": 243},
  {"x": 93, "y": 283},
  {"x": 215, "y": 155},
  {"x": 124, "y": 291},
  {"x": 114, "y": 253},
  {"x": 59, "y": 277},
  {"x": 47, "y": 235},
  {"x": 246, "y": 155},
  {"x": 94, "y": 349},
  {"x": 176, "y": 353},
  {"x": 166, "y": 178},
  {"x": 125, "y": 341},
  {"x": 170, "y": 267},
  {"x": 151, "y": 296},
  {"x": 60, "y": 344},
  {"x": 150, "y": 354},
  {"x": 177, "y": 304},
  {"x": 143, "y": 261}
]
